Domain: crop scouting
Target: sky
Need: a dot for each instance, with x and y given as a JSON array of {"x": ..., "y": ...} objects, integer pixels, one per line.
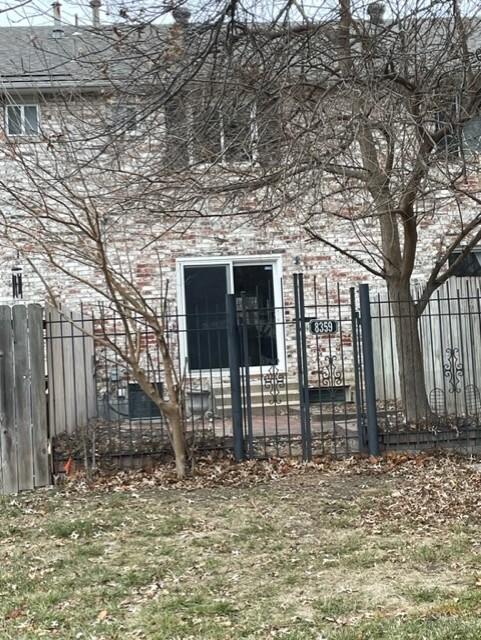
[{"x": 40, "y": 12}]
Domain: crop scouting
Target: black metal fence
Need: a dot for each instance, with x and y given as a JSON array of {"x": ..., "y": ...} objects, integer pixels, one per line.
[
  {"x": 323, "y": 373},
  {"x": 446, "y": 407}
]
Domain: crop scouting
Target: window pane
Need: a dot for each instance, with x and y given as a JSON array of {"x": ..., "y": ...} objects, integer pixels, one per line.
[
  {"x": 14, "y": 121},
  {"x": 205, "y": 290},
  {"x": 125, "y": 118},
  {"x": 31, "y": 119},
  {"x": 177, "y": 133},
  {"x": 253, "y": 286},
  {"x": 470, "y": 266},
  {"x": 206, "y": 129},
  {"x": 237, "y": 132},
  {"x": 268, "y": 129}
]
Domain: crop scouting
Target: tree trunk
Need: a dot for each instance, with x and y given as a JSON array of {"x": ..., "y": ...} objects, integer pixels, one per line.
[
  {"x": 410, "y": 357},
  {"x": 173, "y": 413},
  {"x": 172, "y": 408}
]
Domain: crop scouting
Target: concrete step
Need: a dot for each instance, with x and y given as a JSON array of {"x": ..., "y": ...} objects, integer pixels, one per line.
[{"x": 285, "y": 399}]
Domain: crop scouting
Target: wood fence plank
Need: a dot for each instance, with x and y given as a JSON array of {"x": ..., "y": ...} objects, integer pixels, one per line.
[
  {"x": 83, "y": 348},
  {"x": 8, "y": 436},
  {"x": 39, "y": 408},
  {"x": 69, "y": 373},
  {"x": 22, "y": 398},
  {"x": 56, "y": 391},
  {"x": 71, "y": 381}
]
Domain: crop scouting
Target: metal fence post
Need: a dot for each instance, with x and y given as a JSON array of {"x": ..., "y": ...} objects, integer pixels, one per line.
[
  {"x": 361, "y": 427},
  {"x": 245, "y": 359},
  {"x": 235, "y": 378},
  {"x": 369, "y": 381},
  {"x": 302, "y": 365}
]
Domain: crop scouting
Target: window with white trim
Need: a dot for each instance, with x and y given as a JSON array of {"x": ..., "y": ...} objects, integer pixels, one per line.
[
  {"x": 222, "y": 126},
  {"x": 223, "y": 130},
  {"x": 125, "y": 118},
  {"x": 255, "y": 281},
  {"x": 22, "y": 119}
]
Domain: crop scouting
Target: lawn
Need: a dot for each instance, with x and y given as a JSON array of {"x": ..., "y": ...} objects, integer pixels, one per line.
[{"x": 342, "y": 551}]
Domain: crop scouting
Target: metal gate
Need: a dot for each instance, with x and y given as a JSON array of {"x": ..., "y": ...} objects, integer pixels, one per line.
[{"x": 315, "y": 398}]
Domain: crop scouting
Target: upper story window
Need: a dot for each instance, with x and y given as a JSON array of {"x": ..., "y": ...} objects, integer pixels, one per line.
[
  {"x": 223, "y": 130},
  {"x": 125, "y": 118},
  {"x": 22, "y": 119},
  {"x": 203, "y": 127}
]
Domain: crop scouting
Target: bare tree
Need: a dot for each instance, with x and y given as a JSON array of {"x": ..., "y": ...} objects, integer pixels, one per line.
[
  {"x": 75, "y": 249},
  {"x": 368, "y": 121},
  {"x": 65, "y": 199},
  {"x": 355, "y": 118}
]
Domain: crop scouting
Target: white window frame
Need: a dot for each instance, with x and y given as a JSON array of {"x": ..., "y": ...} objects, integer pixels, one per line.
[
  {"x": 224, "y": 142},
  {"x": 21, "y": 106},
  {"x": 230, "y": 261},
  {"x": 125, "y": 119}
]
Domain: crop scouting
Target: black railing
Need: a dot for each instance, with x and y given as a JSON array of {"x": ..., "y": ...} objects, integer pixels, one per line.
[{"x": 326, "y": 374}]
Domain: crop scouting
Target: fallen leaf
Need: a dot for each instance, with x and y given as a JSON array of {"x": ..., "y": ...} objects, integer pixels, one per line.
[{"x": 16, "y": 613}]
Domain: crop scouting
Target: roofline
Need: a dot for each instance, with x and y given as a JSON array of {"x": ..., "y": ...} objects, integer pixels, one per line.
[{"x": 22, "y": 87}]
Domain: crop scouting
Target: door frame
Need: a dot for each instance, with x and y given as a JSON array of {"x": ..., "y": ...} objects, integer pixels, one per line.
[{"x": 274, "y": 259}]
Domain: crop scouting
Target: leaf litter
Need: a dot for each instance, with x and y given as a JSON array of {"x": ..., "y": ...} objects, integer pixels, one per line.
[
  {"x": 427, "y": 490},
  {"x": 424, "y": 492}
]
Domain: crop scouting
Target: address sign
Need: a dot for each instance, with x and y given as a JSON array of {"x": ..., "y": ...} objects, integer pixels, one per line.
[{"x": 322, "y": 327}]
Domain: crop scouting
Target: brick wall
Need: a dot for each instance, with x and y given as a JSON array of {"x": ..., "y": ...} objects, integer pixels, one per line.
[{"x": 145, "y": 236}]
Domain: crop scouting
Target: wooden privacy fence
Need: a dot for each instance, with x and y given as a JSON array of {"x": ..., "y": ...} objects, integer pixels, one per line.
[
  {"x": 71, "y": 371},
  {"x": 23, "y": 420}
]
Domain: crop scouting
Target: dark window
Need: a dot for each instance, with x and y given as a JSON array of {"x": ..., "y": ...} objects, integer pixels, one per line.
[
  {"x": 472, "y": 136},
  {"x": 205, "y": 288},
  {"x": 255, "y": 304},
  {"x": 125, "y": 118},
  {"x": 177, "y": 132},
  {"x": 449, "y": 143},
  {"x": 237, "y": 131},
  {"x": 469, "y": 266},
  {"x": 205, "y": 291},
  {"x": 205, "y": 130},
  {"x": 268, "y": 129},
  {"x": 223, "y": 128}
]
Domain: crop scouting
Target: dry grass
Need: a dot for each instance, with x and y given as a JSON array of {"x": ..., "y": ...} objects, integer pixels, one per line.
[{"x": 326, "y": 554}]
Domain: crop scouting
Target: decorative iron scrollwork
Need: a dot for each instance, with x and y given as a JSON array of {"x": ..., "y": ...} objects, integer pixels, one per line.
[
  {"x": 274, "y": 381},
  {"x": 330, "y": 376},
  {"x": 454, "y": 370}
]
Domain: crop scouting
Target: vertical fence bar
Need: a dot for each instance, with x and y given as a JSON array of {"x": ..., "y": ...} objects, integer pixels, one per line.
[
  {"x": 235, "y": 377},
  {"x": 247, "y": 377},
  {"x": 369, "y": 378},
  {"x": 302, "y": 366},
  {"x": 361, "y": 428},
  {"x": 302, "y": 408},
  {"x": 308, "y": 447}
]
